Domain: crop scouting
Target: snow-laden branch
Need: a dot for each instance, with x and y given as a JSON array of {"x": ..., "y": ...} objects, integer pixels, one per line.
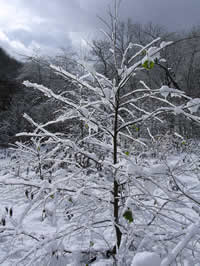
[
  {"x": 145, "y": 117},
  {"x": 129, "y": 72},
  {"x": 39, "y": 185},
  {"x": 143, "y": 49},
  {"x": 61, "y": 72},
  {"x": 49, "y": 93},
  {"x": 192, "y": 230}
]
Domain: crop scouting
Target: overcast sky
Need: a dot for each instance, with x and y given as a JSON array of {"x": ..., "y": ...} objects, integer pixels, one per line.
[{"x": 27, "y": 26}]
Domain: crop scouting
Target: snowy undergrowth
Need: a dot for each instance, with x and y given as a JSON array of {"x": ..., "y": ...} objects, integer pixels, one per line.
[{"x": 67, "y": 221}]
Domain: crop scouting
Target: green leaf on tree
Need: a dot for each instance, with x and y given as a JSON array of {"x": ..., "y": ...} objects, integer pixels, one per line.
[
  {"x": 148, "y": 64},
  {"x": 135, "y": 127},
  {"x": 128, "y": 215},
  {"x": 91, "y": 244},
  {"x": 127, "y": 153}
]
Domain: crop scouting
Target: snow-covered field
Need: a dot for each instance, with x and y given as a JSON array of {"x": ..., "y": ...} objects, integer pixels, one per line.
[
  {"x": 68, "y": 221},
  {"x": 37, "y": 226}
]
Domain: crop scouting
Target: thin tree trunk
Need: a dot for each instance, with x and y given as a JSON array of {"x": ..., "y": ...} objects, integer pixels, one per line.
[{"x": 115, "y": 183}]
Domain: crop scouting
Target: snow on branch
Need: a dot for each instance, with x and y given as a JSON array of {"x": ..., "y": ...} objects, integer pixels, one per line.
[
  {"x": 49, "y": 93},
  {"x": 192, "y": 230},
  {"x": 143, "y": 49},
  {"x": 61, "y": 72}
]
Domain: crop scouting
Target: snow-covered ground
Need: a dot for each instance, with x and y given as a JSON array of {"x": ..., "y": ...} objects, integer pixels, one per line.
[{"x": 47, "y": 223}]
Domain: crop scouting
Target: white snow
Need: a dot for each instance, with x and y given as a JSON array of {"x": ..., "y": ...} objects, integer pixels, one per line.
[
  {"x": 146, "y": 259},
  {"x": 193, "y": 105},
  {"x": 163, "y": 44},
  {"x": 153, "y": 52},
  {"x": 166, "y": 90},
  {"x": 191, "y": 231}
]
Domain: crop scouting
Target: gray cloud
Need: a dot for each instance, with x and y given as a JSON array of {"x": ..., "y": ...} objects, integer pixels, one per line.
[{"x": 28, "y": 25}]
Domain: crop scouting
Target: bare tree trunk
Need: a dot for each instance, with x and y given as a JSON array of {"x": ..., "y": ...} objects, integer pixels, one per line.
[{"x": 115, "y": 183}]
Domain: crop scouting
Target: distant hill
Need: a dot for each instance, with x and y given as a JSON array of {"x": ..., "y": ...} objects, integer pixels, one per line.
[
  {"x": 9, "y": 66},
  {"x": 9, "y": 70}
]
